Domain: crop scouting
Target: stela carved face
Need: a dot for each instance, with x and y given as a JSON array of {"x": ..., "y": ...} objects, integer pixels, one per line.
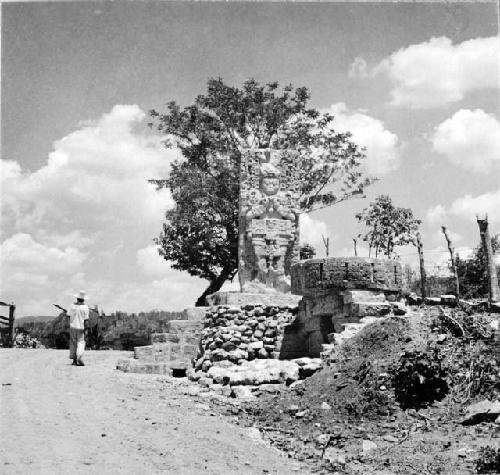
[{"x": 270, "y": 185}]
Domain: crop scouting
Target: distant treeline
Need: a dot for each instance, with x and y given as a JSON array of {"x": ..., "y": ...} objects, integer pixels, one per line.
[{"x": 118, "y": 330}]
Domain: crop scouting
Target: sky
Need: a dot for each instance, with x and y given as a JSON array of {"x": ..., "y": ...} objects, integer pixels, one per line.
[{"x": 417, "y": 84}]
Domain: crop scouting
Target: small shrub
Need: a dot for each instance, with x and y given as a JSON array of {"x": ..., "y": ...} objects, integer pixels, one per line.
[
  {"x": 488, "y": 460},
  {"x": 418, "y": 379}
]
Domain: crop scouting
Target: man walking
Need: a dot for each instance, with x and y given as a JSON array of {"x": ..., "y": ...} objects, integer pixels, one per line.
[{"x": 78, "y": 314}]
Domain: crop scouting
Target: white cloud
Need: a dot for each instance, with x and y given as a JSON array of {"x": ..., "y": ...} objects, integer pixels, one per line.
[
  {"x": 151, "y": 263},
  {"x": 467, "y": 207},
  {"x": 79, "y": 220},
  {"x": 436, "y": 214},
  {"x": 34, "y": 275},
  {"x": 470, "y": 206},
  {"x": 96, "y": 176},
  {"x": 437, "y": 72},
  {"x": 470, "y": 139},
  {"x": 22, "y": 251},
  {"x": 358, "y": 68},
  {"x": 169, "y": 290},
  {"x": 383, "y": 147}
]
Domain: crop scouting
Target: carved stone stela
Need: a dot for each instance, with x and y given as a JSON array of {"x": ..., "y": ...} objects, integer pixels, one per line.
[{"x": 268, "y": 221}]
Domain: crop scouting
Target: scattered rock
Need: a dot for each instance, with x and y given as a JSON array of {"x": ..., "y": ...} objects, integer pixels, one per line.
[
  {"x": 414, "y": 299},
  {"x": 448, "y": 300},
  {"x": 242, "y": 392},
  {"x": 368, "y": 447},
  {"x": 325, "y": 406},
  {"x": 301, "y": 414},
  {"x": 482, "y": 411},
  {"x": 399, "y": 308},
  {"x": 390, "y": 438},
  {"x": 334, "y": 455}
]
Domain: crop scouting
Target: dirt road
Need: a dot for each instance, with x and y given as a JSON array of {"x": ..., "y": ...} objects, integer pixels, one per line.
[{"x": 58, "y": 419}]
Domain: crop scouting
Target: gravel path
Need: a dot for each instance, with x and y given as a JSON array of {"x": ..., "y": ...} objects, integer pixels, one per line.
[{"x": 58, "y": 419}]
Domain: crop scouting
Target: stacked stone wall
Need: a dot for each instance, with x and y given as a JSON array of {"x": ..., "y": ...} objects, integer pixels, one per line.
[{"x": 242, "y": 333}]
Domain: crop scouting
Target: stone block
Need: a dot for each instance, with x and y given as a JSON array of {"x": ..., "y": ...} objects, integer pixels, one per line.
[
  {"x": 314, "y": 276},
  {"x": 245, "y": 299},
  {"x": 358, "y": 296},
  {"x": 164, "y": 338},
  {"x": 195, "y": 313},
  {"x": 145, "y": 353},
  {"x": 366, "y": 309}
]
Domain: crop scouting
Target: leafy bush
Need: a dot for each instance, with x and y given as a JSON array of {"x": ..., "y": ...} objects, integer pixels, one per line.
[
  {"x": 472, "y": 273},
  {"x": 488, "y": 460},
  {"x": 418, "y": 379}
]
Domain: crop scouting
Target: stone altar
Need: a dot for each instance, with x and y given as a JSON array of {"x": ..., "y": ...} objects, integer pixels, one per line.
[{"x": 268, "y": 220}]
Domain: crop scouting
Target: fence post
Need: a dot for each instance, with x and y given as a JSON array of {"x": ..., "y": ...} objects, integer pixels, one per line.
[{"x": 12, "y": 317}]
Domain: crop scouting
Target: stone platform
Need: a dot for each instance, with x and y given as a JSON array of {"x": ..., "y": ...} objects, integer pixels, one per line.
[
  {"x": 173, "y": 350},
  {"x": 338, "y": 292},
  {"x": 245, "y": 298}
]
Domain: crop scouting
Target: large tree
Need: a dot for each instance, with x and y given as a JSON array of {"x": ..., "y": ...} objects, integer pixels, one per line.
[
  {"x": 200, "y": 233},
  {"x": 387, "y": 226}
]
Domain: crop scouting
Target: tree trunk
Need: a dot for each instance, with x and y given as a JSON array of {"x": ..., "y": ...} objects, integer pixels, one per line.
[
  {"x": 214, "y": 286},
  {"x": 493, "y": 290},
  {"x": 453, "y": 266},
  {"x": 422, "y": 268},
  {"x": 355, "y": 247}
]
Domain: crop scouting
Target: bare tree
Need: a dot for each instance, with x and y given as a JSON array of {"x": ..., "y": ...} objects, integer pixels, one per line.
[
  {"x": 326, "y": 242},
  {"x": 420, "y": 249},
  {"x": 493, "y": 290},
  {"x": 452, "y": 257}
]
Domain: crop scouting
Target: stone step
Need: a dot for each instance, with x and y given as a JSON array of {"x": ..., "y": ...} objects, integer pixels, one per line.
[{"x": 131, "y": 365}]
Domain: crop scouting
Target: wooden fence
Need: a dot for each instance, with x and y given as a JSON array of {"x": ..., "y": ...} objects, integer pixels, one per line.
[{"x": 7, "y": 325}]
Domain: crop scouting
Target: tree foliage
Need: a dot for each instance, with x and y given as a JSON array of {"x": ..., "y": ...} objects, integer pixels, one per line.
[
  {"x": 388, "y": 226},
  {"x": 200, "y": 232},
  {"x": 472, "y": 272}
]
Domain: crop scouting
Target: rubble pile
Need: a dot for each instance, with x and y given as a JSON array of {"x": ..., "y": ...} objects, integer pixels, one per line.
[
  {"x": 241, "y": 346},
  {"x": 25, "y": 340}
]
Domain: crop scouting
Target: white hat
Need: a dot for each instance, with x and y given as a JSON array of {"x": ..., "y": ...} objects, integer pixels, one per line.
[{"x": 81, "y": 295}]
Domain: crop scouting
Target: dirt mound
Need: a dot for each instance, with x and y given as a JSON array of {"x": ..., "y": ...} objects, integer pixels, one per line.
[{"x": 396, "y": 389}]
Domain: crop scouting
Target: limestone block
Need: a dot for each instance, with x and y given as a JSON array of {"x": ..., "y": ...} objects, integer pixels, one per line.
[
  {"x": 255, "y": 346},
  {"x": 366, "y": 309},
  {"x": 262, "y": 353},
  {"x": 195, "y": 313},
  {"x": 326, "y": 304},
  {"x": 314, "y": 276},
  {"x": 242, "y": 392},
  {"x": 358, "y": 296},
  {"x": 145, "y": 353},
  {"x": 164, "y": 337}
]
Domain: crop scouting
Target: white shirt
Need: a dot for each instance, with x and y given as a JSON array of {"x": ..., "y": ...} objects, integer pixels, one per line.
[{"x": 77, "y": 315}]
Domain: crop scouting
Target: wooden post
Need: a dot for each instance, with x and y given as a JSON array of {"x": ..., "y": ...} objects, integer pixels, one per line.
[
  {"x": 326, "y": 242},
  {"x": 453, "y": 266},
  {"x": 422, "y": 268},
  {"x": 355, "y": 247},
  {"x": 493, "y": 291},
  {"x": 12, "y": 317}
]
